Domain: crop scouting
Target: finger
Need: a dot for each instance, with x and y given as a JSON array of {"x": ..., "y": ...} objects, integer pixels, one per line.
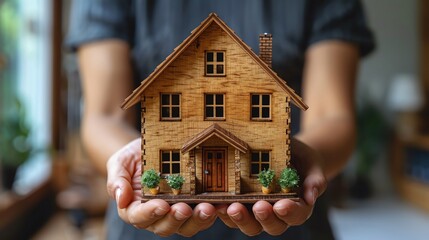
[
  {"x": 291, "y": 212},
  {"x": 313, "y": 186},
  {"x": 309, "y": 164},
  {"x": 221, "y": 212},
  {"x": 203, "y": 217},
  {"x": 122, "y": 167},
  {"x": 172, "y": 221},
  {"x": 142, "y": 215},
  {"x": 271, "y": 224},
  {"x": 124, "y": 193},
  {"x": 244, "y": 220}
]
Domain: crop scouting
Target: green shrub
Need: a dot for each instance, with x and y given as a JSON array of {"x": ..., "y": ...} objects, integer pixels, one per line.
[
  {"x": 266, "y": 177},
  {"x": 151, "y": 178},
  {"x": 175, "y": 181},
  {"x": 289, "y": 178}
]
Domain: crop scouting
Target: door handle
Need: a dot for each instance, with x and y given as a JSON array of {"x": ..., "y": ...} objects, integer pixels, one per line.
[{"x": 206, "y": 172}]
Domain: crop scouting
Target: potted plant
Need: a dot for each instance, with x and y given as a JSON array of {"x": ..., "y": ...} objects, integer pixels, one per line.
[
  {"x": 266, "y": 178},
  {"x": 289, "y": 179},
  {"x": 151, "y": 180},
  {"x": 175, "y": 181},
  {"x": 371, "y": 135},
  {"x": 15, "y": 147}
]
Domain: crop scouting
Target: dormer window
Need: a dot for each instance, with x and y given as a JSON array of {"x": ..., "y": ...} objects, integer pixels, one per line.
[{"x": 215, "y": 63}]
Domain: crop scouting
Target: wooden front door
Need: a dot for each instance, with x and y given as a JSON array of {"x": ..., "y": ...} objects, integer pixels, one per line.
[{"x": 214, "y": 173}]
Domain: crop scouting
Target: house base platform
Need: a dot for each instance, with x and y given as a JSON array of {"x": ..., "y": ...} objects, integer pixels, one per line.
[{"x": 220, "y": 198}]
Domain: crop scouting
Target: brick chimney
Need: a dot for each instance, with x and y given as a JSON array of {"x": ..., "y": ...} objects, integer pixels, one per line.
[{"x": 266, "y": 48}]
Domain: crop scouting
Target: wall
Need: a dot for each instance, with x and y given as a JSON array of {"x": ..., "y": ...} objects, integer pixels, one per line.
[{"x": 396, "y": 26}]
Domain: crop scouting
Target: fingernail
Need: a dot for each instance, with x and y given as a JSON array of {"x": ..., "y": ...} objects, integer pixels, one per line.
[
  {"x": 262, "y": 215},
  {"x": 118, "y": 193},
  {"x": 203, "y": 215},
  {"x": 179, "y": 216},
  {"x": 315, "y": 195},
  {"x": 238, "y": 216},
  {"x": 160, "y": 211}
]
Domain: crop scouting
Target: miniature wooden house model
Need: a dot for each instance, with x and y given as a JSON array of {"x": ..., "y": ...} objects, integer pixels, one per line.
[{"x": 216, "y": 113}]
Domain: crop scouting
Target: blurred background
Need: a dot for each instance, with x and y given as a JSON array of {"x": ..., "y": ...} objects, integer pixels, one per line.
[{"x": 48, "y": 187}]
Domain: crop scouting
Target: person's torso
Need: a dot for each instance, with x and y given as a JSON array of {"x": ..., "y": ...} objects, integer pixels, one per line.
[{"x": 162, "y": 25}]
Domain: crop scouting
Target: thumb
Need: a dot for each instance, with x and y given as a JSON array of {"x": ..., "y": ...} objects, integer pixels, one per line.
[
  {"x": 123, "y": 193},
  {"x": 314, "y": 186}
]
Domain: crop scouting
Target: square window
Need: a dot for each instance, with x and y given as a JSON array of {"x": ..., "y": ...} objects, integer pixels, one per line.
[
  {"x": 170, "y": 106},
  {"x": 215, "y": 63},
  {"x": 170, "y": 162},
  {"x": 215, "y": 106},
  {"x": 260, "y": 160},
  {"x": 260, "y": 107}
]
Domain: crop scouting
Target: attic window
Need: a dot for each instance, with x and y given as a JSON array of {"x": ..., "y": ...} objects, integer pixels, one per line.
[{"x": 215, "y": 63}]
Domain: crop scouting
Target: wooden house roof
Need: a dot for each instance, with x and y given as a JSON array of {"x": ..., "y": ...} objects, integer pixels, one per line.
[
  {"x": 215, "y": 130},
  {"x": 212, "y": 18}
]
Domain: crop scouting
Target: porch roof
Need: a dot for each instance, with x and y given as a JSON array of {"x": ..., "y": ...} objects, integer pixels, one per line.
[{"x": 220, "y": 132}]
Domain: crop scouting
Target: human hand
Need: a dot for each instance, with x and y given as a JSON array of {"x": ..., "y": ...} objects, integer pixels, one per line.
[
  {"x": 123, "y": 185},
  {"x": 275, "y": 219}
]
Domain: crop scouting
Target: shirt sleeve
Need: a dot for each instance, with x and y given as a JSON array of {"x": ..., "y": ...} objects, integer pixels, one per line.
[
  {"x": 93, "y": 20},
  {"x": 342, "y": 20}
]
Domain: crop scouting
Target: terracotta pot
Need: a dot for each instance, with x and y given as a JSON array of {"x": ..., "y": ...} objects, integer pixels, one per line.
[
  {"x": 287, "y": 190},
  {"x": 176, "y": 191},
  {"x": 154, "y": 191},
  {"x": 266, "y": 190}
]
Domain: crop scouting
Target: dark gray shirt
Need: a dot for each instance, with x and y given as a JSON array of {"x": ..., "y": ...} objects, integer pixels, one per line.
[{"x": 153, "y": 28}]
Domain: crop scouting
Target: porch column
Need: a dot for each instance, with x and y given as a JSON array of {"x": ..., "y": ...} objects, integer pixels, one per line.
[
  {"x": 191, "y": 168},
  {"x": 237, "y": 163}
]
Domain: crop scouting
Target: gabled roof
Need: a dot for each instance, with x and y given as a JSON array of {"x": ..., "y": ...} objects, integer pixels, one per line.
[
  {"x": 215, "y": 130},
  {"x": 212, "y": 18}
]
